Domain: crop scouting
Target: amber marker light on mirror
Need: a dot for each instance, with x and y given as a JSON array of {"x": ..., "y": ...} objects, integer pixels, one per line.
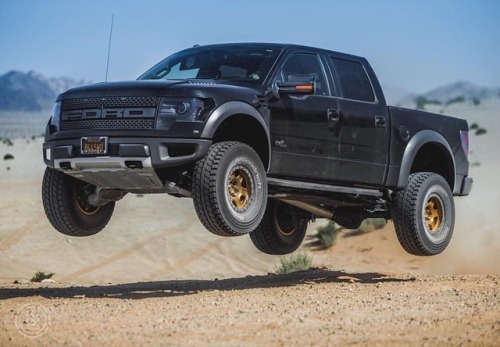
[{"x": 304, "y": 87}]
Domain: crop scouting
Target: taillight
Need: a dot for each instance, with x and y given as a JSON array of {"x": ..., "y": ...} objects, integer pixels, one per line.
[{"x": 464, "y": 137}]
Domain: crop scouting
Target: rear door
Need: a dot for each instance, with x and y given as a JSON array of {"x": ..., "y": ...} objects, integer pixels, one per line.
[
  {"x": 363, "y": 128},
  {"x": 301, "y": 136}
]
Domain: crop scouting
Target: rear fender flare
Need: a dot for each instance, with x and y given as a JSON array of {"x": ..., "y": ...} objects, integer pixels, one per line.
[{"x": 417, "y": 141}]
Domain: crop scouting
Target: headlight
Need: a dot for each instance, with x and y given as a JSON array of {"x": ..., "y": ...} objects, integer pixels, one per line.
[
  {"x": 174, "y": 109},
  {"x": 55, "y": 118}
]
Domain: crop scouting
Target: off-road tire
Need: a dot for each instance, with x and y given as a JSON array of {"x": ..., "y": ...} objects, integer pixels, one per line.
[
  {"x": 62, "y": 197},
  {"x": 281, "y": 231},
  {"x": 424, "y": 214},
  {"x": 230, "y": 189}
]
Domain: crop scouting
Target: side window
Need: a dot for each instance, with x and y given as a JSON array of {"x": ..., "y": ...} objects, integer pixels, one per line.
[
  {"x": 303, "y": 67},
  {"x": 353, "y": 80}
]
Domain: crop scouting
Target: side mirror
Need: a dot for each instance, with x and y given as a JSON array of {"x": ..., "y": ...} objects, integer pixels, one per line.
[{"x": 296, "y": 85}]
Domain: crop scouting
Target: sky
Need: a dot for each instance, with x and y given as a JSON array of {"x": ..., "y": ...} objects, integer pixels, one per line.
[{"x": 414, "y": 45}]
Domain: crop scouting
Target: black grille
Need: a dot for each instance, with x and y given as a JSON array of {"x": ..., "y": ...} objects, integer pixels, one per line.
[
  {"x": 110, "y": 102},
  {"x": 108, "y": 124},
  {"x": 114, "y": 150}
]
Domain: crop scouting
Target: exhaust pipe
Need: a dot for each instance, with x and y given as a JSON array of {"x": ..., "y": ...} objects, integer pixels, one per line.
[{"x": 316, "y": 210}]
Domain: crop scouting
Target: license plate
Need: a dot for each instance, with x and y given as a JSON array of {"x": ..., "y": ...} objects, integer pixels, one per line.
[{"x": 94, "y": 145}]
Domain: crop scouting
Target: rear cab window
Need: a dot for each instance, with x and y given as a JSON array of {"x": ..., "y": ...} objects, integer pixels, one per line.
[{"x": 353, "y": 80}]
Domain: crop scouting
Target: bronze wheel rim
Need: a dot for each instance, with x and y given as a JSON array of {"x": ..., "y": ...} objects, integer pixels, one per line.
[
  {"x": 82, "y": 201},
  {"x": 239, "y": 189},
  {"x": 281, "y": 231},
  {"x": 286, "y": 229},
  {"x": 433, "y": 214}
]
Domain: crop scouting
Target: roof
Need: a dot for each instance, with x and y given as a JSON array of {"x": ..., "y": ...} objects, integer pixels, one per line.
[{"x": 272, "y": 46}]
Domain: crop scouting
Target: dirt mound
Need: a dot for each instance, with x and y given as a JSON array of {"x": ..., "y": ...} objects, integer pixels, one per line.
[{"x": 317, "y": 307}]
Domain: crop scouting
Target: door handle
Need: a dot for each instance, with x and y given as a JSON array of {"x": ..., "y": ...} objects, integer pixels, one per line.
[
  {"x": 380, "y": 122},
  {"x": 334, "y": 115}
]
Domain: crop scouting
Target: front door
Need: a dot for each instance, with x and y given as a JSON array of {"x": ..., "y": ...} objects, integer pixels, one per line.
[{"x": 302, "y": 138}]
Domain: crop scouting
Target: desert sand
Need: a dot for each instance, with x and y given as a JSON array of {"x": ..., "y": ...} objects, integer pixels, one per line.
[{"x": 155, "y": 276}]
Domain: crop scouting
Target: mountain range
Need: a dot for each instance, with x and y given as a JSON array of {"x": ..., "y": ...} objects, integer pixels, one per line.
[
  {"x": 33, "y": 92},
  {"x": 461, "y": 91}
]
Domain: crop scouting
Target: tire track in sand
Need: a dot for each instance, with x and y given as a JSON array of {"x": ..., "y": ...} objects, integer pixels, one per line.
[
  {"x": 11, "y": 190},
  {"x": 185, "y": 261},
  {"x": 136, "y": 247},
  {"x": 19, "y": 233}
]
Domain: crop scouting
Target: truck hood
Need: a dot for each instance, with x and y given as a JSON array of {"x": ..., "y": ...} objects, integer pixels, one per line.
[{"x": 177, "y": 88}]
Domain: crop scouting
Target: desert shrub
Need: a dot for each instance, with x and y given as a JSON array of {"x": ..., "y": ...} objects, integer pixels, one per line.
[
  {"x": 40, "y": 276},
  {"x": 476, "y": 101},
  {"x": 327, "y": 234},
  {"x": 481, "y": 131},
  {"x": 8, "y": 156},
  {"x": 422, "y": 101},
  {"x": 456, "y": 100},
  {"x": 7, "y": 142},
  {"x": 294, "y": 263},
  {"x": 368, "y": 225},
  {"x": 377, "y": 223}
]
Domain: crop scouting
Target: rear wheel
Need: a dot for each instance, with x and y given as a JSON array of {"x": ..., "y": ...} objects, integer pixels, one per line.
[
  {"x": 281, "y": 231},
  {"x": 230, "y": 189},
  {"x": 65, "y": 201},
  {"x": 424, "y": 214}
]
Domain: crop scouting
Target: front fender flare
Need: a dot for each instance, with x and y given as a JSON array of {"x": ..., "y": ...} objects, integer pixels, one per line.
[{"x": 232, "y": 108}]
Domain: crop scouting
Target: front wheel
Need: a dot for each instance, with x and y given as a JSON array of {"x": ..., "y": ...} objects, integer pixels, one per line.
[
  {"x": 65, "y": 201},
  {"x": 281, "y": 231},
  {"x": 230, "y": 189},
  {"x": 424, "y": 214}
]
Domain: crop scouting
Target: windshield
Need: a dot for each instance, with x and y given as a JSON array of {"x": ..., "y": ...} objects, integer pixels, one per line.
[{"x": 247, "y": 64}]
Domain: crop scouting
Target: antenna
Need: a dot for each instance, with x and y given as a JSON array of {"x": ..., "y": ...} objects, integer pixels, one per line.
[{"x": 109, "y": 45}]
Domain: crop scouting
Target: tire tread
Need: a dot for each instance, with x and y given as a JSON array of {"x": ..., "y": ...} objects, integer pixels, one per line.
[
  {"x": 264, "y": 236},
  {"x": 56, "y": 205},
  {"x": 404, "y": 208},
  {"x": 205, "y": 189}
]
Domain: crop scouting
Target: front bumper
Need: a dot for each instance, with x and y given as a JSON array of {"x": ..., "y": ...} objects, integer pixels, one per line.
[{"x": 131, "y": 164}]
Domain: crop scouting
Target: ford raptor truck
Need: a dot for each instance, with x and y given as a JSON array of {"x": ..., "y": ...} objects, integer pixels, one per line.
[{"x": 263, "y": 138}]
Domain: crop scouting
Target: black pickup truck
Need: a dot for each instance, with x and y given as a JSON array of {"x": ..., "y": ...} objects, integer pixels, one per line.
[{"x": 263, "y": 138}]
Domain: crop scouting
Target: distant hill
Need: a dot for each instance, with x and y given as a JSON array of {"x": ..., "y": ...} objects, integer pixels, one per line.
[
  {"x": 31, "y": 91},
  {"x": 394, "y": 94},
  {"x": 449, "y": 94}
]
